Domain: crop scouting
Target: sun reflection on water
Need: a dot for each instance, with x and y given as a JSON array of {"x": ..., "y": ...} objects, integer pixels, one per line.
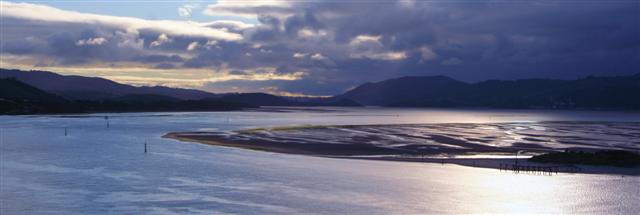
[
  {"x": 468, "y": 190},
  {"x": 514, "y": 193}
]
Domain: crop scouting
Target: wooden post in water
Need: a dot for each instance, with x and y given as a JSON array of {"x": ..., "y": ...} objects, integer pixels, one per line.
[{"x": 145, "y": 147}]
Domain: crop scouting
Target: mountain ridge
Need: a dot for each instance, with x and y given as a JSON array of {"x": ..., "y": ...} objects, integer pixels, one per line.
[
  {"x": 75, "y": 87},
  {"x": 79, "y": 88},
  {"x": 20, "y": 98},
  {"x": 619, "y": 92}
]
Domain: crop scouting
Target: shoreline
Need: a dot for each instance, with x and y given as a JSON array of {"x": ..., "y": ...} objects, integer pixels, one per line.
[
  {"x": 490, "y": 163},
  {"x": 495, "y": 163}
]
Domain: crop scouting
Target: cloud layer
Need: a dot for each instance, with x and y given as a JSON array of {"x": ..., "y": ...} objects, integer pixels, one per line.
[{"x": 324, "y": 48}]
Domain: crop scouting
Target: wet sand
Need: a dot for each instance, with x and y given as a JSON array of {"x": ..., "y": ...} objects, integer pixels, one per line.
[{"x": 435, "y": 143}]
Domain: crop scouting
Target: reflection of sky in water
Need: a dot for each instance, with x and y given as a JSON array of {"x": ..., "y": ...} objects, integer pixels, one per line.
[{"x": 96, "y": 170}]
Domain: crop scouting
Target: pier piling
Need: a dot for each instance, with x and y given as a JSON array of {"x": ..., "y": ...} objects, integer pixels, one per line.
[{"x": 544, "y": 170}]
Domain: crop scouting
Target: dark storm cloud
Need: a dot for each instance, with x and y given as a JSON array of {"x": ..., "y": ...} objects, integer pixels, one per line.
[
  {"x": 339, "y": 45},
  {"x": 504, "y": 40}
]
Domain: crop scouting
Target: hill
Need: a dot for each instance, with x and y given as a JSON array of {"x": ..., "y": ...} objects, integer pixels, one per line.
[
  {"x": 405, "y": 89},
  {"x": 90, "y": 88},
  {"x": 19, "y": 98},
  {"x": 437, "y": 91}
]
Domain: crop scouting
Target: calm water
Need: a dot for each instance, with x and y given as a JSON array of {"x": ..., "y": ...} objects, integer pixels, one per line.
[{"x": 100, "y": 170}]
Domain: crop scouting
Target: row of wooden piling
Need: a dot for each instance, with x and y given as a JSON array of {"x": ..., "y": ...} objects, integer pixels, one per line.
[{"x": 545, "y": 170}]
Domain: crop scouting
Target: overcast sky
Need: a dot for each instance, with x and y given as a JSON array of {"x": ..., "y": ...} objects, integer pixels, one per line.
[{"x": 319, "y": 47}]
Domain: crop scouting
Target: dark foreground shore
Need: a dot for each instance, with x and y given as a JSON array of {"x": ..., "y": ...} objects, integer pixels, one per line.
[{"x": 369, "y": 152}]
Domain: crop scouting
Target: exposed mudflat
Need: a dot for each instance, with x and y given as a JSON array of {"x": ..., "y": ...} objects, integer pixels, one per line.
[{"x": 448, "y": 139}]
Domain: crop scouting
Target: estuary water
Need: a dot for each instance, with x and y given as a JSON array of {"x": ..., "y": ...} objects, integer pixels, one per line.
[{"x": 100, "y": 169}]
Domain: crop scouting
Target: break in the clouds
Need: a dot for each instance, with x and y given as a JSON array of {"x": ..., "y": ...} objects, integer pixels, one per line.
[{"x": 324, "y": 48}]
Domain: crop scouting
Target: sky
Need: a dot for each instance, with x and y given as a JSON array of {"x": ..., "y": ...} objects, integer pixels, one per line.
[{"x": 319, "y": 48}]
